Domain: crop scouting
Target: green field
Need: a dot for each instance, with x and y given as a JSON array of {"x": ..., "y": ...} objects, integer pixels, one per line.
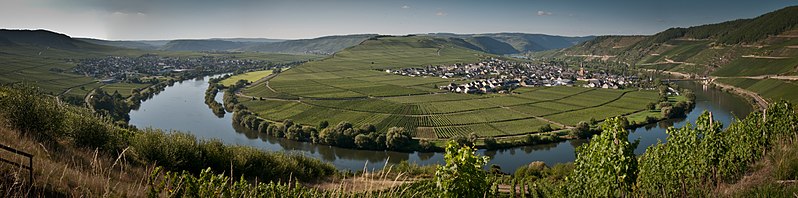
[
  {"x": 249, "y": 76},
  {"x": 353, "y": 86}
]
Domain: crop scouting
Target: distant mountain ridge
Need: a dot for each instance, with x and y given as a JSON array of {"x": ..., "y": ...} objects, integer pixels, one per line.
[
  {"x": 495, "y": 43},
  {"x": 321, "y": 45},
  {"x": 512, "y": 43}
]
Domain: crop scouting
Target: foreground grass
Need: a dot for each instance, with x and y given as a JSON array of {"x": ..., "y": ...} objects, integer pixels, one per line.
[{"x": 68, "y": 171}]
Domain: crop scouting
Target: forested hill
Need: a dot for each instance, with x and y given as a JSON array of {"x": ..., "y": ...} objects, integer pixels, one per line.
[
  {"x": 765, "y": 45},
  {"x": 44, "y": 39}
]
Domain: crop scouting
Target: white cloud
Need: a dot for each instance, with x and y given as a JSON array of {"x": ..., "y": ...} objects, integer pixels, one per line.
[
  {"x": 405, "y": 6},
  {"x": 441, "y": 13},
  {"x": 543, "y": 13}
]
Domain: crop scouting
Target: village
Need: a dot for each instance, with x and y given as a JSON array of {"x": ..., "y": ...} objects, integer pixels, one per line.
[
  {"x": 116, "y": 68},
  {"x": 500, "y": 76}
]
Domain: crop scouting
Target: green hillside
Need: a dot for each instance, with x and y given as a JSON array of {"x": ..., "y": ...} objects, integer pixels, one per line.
[
  {"x": 741, "y": 51},
  {"x": 352, "y": 86},
  {"x": 764, "y": 45}
]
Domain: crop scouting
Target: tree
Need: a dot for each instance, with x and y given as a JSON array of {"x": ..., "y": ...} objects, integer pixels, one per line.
[
  {"x": 463, "y": 174},
  {"x": 397, "y": 138},
  {"x": 651, "y": 106},
  {"x": 425, "y": 145},
  {"x": 545, "y": 128},
  {"x": 328, "y": 136},
  {"x": 582, "y": 130},
  {"x": 490, "y": 143},
  {"x": 323, "y": 124},
  {"x": 364, "y": 141}
]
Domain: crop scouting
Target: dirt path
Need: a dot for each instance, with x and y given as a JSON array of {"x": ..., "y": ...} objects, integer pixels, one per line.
[
  {"x": 603, "y": 57},
  {"x": 673, "y": 73},
  {"x": 764, "y": 57},
  {"x": 766, "y": 76}
]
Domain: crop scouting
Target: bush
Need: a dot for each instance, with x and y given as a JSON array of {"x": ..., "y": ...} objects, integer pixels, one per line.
[
  {"x": 33, "y": 113},
  {"x": 532, "y": 170},
  {"x": 180, "y": 151},
  {"x": 87, "y": 130}
]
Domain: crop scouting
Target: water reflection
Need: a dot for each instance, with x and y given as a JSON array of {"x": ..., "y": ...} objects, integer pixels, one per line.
[{"x": 181, "y": 107}]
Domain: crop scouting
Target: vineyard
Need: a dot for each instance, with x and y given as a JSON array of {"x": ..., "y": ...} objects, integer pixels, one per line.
[{"x": 352, "y": 86}]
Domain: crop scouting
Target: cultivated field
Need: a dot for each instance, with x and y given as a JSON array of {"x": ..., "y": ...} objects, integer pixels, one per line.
[
  {"x": 353, "y": 86},
  {"x": 249, "y": 76}
]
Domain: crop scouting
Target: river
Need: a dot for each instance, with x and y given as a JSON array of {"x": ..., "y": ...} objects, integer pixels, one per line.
[{"x": 181, "y": 107}]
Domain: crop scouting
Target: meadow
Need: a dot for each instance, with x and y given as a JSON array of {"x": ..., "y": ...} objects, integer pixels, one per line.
[{"x": 352, "y": 86}]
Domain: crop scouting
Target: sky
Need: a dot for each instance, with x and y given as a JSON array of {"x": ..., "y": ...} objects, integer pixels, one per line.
[{"x": 296, "y": 19}]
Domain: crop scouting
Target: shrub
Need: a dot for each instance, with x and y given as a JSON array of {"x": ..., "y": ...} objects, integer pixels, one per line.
[{"x": 30, "y": 111}]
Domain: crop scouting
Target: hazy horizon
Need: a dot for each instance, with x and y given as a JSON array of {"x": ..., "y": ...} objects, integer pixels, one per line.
[{"x": 205, "y": 19}]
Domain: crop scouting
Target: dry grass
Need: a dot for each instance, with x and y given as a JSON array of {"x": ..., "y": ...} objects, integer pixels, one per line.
[
  {"x": 65, "y": 171},
  {"x": 766, "y": 172},
  {"x": 380, "y": 180},
  {"x": 62, "y": 170}
]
